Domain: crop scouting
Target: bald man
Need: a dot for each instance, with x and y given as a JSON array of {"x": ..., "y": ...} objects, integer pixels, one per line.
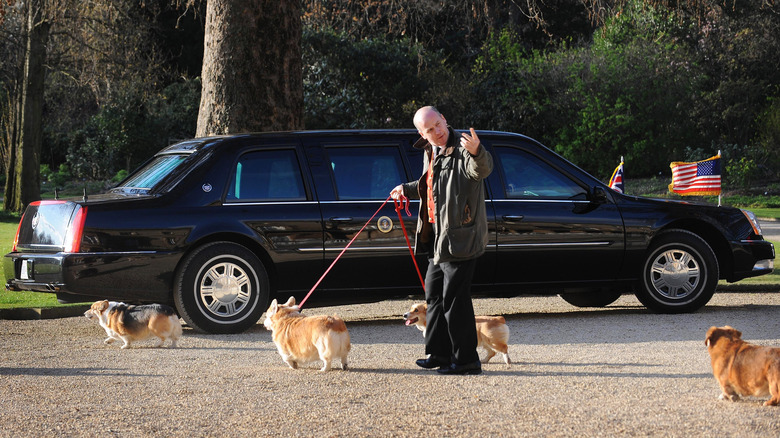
[{"x": 452, "y": 231}]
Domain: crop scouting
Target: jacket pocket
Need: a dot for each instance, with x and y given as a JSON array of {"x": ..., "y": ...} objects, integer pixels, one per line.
[{"x": 463, "y": 242}]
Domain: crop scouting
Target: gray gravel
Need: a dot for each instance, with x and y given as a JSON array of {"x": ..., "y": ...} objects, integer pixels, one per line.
[{"x": 619, "y": 371}]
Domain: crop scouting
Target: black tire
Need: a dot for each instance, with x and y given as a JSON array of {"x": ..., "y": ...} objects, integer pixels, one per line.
[
  {"x": 221, "y": 287},
  {"x": 596, "y": 297},
  {"x": 679, "y": 274}
]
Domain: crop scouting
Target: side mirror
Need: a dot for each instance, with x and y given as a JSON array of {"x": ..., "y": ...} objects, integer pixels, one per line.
[{"x": 600, "y": 195}]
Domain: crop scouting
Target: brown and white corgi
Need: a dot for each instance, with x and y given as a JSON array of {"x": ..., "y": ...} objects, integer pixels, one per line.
[
  {"x": 492, "y": 331},
  {"x": 302, "y": 339},
  {"x": 136, "y": 323}
]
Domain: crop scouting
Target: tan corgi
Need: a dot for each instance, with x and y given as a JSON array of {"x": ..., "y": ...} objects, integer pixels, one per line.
[
  {"x": 136, "y": 323},
  {"x": 492, "y": 331},
  {"x": 302, "y": 339},
  {"x": 742, "y": 368}
]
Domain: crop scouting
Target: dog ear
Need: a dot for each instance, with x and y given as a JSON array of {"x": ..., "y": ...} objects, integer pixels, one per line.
[
  {"x": 710, "y": 333},
  {"x": 290, "y": 302}
]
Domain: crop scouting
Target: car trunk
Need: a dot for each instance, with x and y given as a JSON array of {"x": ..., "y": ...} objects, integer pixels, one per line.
[{"x": 48, "y": 226}]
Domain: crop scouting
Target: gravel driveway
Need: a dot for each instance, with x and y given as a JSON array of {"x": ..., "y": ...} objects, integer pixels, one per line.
[{"x": 619, "y": 371}]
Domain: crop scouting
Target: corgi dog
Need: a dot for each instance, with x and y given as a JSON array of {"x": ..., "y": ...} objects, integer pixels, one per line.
[
  {"x": 136, "y": 323},
  {"x": 300, "y": 339},
  {"x": 492, "y": 331},
  {"x": 742, "y": 368}
]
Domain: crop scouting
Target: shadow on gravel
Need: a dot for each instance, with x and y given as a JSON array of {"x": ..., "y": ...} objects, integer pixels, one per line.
[
  {"x": 610, "y": 375},
  {"x": 69, "y": 372},
  {"x": 520, "y": 370}
]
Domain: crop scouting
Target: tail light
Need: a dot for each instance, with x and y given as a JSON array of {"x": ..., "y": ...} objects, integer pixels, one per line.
[
  {"x": 75, "y": 231},
  {"x": 16, "y": 238}
]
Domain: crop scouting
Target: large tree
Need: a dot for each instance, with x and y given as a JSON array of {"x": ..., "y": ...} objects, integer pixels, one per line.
[
  {"x": 23, "y": 182},
  {"x": 252, "y": 72}
]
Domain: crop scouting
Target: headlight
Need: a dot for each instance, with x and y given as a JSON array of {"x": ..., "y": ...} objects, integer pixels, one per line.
[{"x": 753, "y": 221}]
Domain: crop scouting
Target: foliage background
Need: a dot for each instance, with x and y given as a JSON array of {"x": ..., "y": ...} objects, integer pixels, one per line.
[{"x": 653, "y": 81}]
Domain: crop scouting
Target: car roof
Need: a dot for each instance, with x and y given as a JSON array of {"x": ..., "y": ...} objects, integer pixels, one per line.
[{"x": 195, "y": 144}]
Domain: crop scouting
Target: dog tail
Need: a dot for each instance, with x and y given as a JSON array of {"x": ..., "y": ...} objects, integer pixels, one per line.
[
  {"x": 336, "y": 324},
  {"x": 177, "y": 330}
]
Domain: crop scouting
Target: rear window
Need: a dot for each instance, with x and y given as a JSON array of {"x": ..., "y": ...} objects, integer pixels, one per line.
[
  {"x": 151, "y": 174},
  {"x": 267, "y": 176}
]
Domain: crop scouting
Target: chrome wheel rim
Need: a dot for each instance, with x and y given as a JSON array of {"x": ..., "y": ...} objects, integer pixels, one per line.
[
  {"x": 675, "y": 274},
  {"x": 225, "y": 289}
]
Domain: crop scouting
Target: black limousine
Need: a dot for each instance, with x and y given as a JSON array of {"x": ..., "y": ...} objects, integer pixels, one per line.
[{"x": 219, "y": 226}]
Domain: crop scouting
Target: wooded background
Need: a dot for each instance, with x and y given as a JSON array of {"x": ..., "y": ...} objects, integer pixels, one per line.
[{"x": 90, "y": 89}]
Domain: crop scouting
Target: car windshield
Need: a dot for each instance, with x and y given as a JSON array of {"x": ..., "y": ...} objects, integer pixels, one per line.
[{"x": 151, "y": 174}]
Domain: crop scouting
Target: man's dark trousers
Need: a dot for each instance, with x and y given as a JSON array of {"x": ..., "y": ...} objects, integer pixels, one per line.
[{"x": 450, "y": 332}]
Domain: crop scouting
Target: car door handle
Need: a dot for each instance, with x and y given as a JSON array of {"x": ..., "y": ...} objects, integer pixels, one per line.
[
  {"x": 511, "y": 218},
  {"x": 341, "y": 219}
]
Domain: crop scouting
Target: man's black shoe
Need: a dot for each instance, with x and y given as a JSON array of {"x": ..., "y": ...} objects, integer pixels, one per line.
[
  {"x": 455, "y": 369},
  {"x": 433, "y": 362}
]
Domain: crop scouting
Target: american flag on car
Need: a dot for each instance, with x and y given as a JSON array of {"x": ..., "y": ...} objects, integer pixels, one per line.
[{"x": 697, "y": 178}]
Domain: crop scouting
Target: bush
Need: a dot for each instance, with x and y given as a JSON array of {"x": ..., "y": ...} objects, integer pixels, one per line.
[
  {"x": 625, "y": 94},
  {"x": 131, "y": 127},
  {"x": 368, "y": 83}
]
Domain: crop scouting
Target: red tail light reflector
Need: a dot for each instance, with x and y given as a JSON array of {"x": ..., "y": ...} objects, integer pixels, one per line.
[
  {"x": 16, "y": 238},
  {"x": 75, "y": 231}
]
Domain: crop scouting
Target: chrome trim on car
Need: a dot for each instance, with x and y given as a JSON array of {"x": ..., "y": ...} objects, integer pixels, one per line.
[
  {"x": 578, "y": 201},
  {"x": 240, "y": 204},
  {"x": 522, "y": 245}
]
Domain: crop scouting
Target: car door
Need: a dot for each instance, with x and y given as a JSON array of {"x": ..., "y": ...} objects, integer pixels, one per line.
[
  {"x": 269, "y": 193},
  {"x": 550, "y": 228},
  {"x": 361, "y": 175}
]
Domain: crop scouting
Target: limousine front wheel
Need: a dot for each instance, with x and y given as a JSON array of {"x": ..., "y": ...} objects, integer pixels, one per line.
[
  {"x": 221, "y": 287},
  {"x": 679, "y": 274}
]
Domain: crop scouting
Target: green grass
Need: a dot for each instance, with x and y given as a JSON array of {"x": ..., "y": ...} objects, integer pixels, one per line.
[{"x": 766, "y": 213}]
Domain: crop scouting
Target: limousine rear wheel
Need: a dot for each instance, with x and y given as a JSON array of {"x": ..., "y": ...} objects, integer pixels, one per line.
[
  {"x": 679, "y": 274},
  {"x": 221, "y": 287}
]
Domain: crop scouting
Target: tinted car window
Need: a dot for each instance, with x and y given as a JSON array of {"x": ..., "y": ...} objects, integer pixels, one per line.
[
  {"x": 267, "y": 175},
  {"x": 152, "y": 173},
  {"x": 366, "y": 172},
  {"x": 528, "y": 177}
]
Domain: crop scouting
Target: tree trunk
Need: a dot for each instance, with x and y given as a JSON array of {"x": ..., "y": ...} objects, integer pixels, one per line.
[
  {"x": 25, "y": 173},
  {"x": 252, "y": 71}
]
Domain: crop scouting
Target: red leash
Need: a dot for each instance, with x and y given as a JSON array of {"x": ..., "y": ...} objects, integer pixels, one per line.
[
  {"x": 398, "y": 203},
  {"x": 398, "y": 208}
]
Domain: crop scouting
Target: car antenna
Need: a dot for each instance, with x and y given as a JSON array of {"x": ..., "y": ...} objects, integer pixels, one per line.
[
  {"x": 85, "y": 194},
  {"x": 56, "y": 195}
]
